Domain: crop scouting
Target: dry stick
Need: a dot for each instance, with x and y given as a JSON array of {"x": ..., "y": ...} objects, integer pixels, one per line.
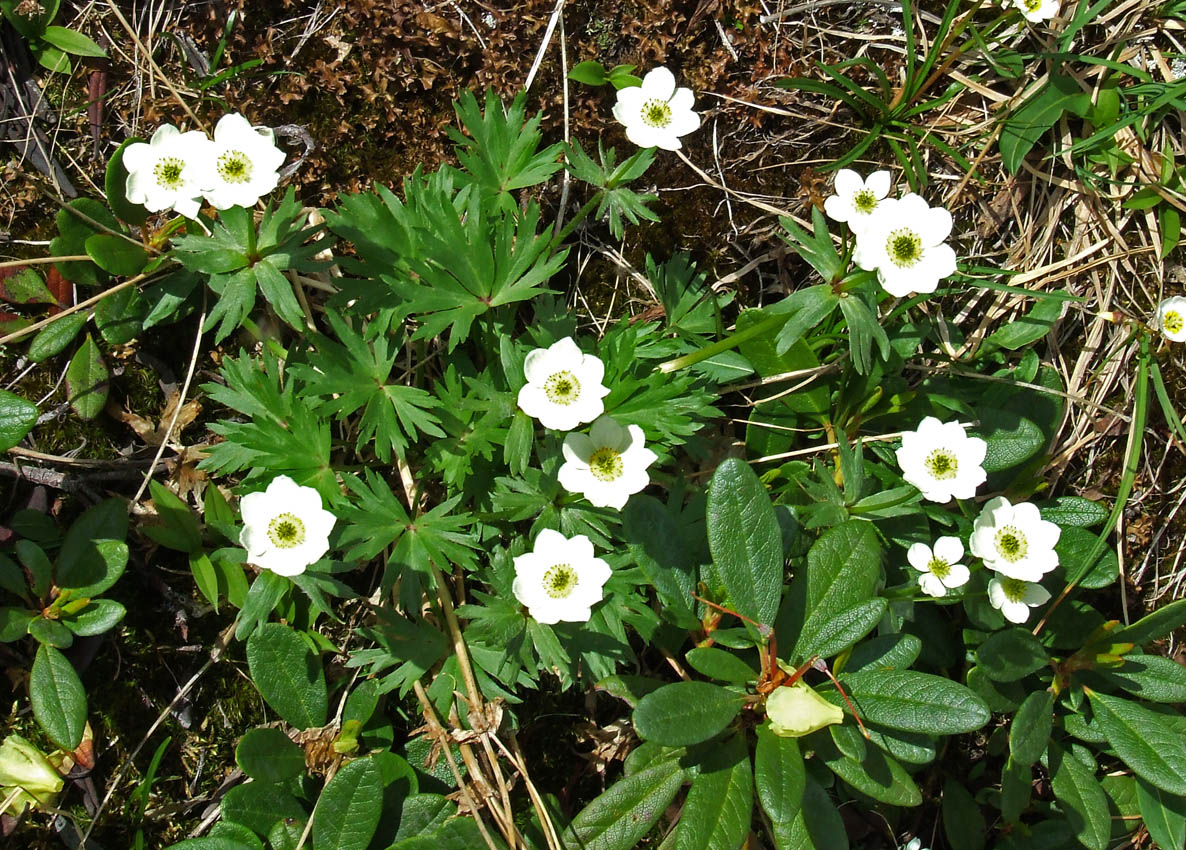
[
  {"x": 329, "y": 775},
  {"x": 72, "y": 258},
  {"x": 442, "y": 738},
  {"x": 224, "y": 640},
  {"x": 189, "y": 376},
  {"x": 152, "y": 64},
  {"x": 539, "y": 56},
  {"x": 520, "y": 764}
]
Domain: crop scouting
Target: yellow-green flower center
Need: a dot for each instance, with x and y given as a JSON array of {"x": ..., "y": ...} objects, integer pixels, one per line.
[
  {"x": 605, "y": 464},
  {"x": 286, "y": 531},
  {"x": 1011, "y": 544},
  {"x": 559, "y": 581},
  {"x": 864, "y": 201},
  {"x": 1032, "y": 5},
  {"x": 234, "y": 167},
  {"x": 1014, "y": 589},
  {"x": 562, "y": 388},
  {"x": 904, "y": 247},
  {"x": 939, "y": 568},
  {"x": 1172, "y": 322},
  {"x": 167, "y": 172},
  {"x": 942, "y": 464},
  {"x": 656, "y": 113}
]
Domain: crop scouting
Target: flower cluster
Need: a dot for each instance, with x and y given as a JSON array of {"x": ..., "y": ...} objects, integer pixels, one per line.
[
  {"x": 560, "y": 578},
  {"x": 176, "y": 170},
  {"x": 656, "y": 113},
  {"x": 1017, "y": 544},
  {"x": 902, "y": 239}
]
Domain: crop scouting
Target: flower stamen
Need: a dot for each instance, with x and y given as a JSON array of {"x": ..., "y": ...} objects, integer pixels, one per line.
[
  {"x": 559, "y": 581},
  {"x": 286, "y": 531}
]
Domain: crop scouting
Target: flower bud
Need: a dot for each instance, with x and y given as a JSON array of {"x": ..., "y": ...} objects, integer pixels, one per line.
[
  {"x": 23, "y": 766},
  {"x": 797, "y": 710}
]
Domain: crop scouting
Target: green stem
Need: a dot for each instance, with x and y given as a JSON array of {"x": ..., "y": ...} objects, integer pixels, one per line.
[{"x": 765, "y": 326}]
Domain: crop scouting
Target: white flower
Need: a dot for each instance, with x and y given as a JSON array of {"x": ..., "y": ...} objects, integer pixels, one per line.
[
  {"x": 285, "y": 528},
  {"x": 563, "y": 388},
  {"x": 1014, "y": 597},
  {"x": 1036, "y": 11},
  {"x": 1014, "y": 540},
  {"x": 245, "y": 163},
  {"x": 942, "y": 461},
  {"x": 903, "y": 241},
  {"x": 1171, "y": 318},
  {"x": 560, "y": 579},
  {"x": 656, "y": 113},
  {"x": 940, "y": 567},
  {"x": 856, "y": 199},
  {"x": 913, "y": 844},
  {"x": 608, "y": 465},
  {"x": 169, "y": 171}
]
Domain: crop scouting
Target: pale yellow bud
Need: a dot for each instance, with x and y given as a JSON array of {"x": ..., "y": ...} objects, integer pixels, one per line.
[
  {"x": 798, "y": 710},
  {"x": 23, "y": 766}
]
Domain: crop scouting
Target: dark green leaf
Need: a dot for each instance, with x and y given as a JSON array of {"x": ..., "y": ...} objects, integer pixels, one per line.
[
  {"x": 77, "y": 221},
  {"x": 1032, "y": 119},
  {"x": 1073, "y": 510},
  {"x": 116, "y": 255},
  {"x": 58, "y": 698},
  {"x": 1011, "y": 654},
  {"x": 17, "y": 418},
  {"x": 25, "y": 286},
  {"x": 779, "y": 776},
  {"x": 1028, "y": 329},
  {"x": 1012, "y": 439},
  {"x": 55, "y": 336},
  {"x": 265, "y": 592},
  {"x": 1144, "y": 740},
  {"x": 259, "y": 806},
  {"x": 623, "y": 814},
  {"x": 1150, "y": 677},
  {"x": 182, "y": 530},
  {"x": 1075, "y": 545},
  {"x": 1081, "y": 798},
  {"x": 1029, "y": 733},
  {"x": 51, "y": 633},
  {"x": 845, "y": 629},
  {"x": 120, "y": 316},
  {"x": 1016, "y": 785},
  {"x": 100, "y": 616},
  {"x": 913, "y": 702},
  {"x": 658, "y": 547},
  {"x": 876, "y": 774},
  {"x": 745, "y": 540},
  {"x": 14, "y": 623},
  {"x": 346, "y": 815},
  {"x": 721, "y": 665},
  {"x": 719, "y": 806},
  {"x": 1155, "y": 625},
  {"x": 1164, "y": 815},
  {"x": 267, "y": 754},
  {"x": 93, "y": 555},
  {"x": 963, "y": 822},
  {"x": 86, "y": 380},
  {"x": 288, "y": 674},
  {"x": 818, "y": 826},
  {"x": 685, "y": 713},
  {"x": 589, "y": 72},
  {"x": 74, "y": 42},
  {"x": 896, "y": 652}
]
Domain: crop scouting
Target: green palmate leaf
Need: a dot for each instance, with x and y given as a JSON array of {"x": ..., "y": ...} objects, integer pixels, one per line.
[
  {"x": 412, "y": 648},
  {"x": 288, "y": 674},
  {"x": 86, "y": 380},
  {"x": 864, "y": 329},
  {"x": 1011, "y": 654},
  {"x": 17, "y": 418},
  {"x": 267, "y": 754},
  {"x": 115, "y": 254},
  {"x": 1155, "y": 625},
  {"x": 120, "y": 317},
  {"x": 686, "y": 713},
  {"x": 55, "y": 336},
  {"x": 779, "y": 776},
  {"x": 876, "y": 774},
  {"x": 745, "y": 540},
  {"x": 1081, "y": 798},
  {"x": 1027, "y": 124},
  {"x": 963, "y": 822},
  {"x": 913, "y": 702},
  {"x": 843, "y": 567},
  {"x": 808, "y": 308},
  {"x": 346, "y": 815},
  {"x": 58, "y": 698},
  {"x": 1164, "y": 815},
  {"x": 719, "y": 807},
  {"x": 622, "y": 815},
  {"x": 720, "y": 665},
  {"x": 1029, "y": 732},
  {"x": 1145, "y": 741},
  {"x": 616, "y": 201},
  {"x": 116, "y": 186},
  {"x": 259, "y": 806}
]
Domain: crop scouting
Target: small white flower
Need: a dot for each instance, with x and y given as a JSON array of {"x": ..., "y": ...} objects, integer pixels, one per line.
[
  {"x": 913, "y": 844},
  {"x": 903, "y": 241},
  {"x": 245, "y": 163},
  {"x": 1014, "y": 540},
  {"x": 608, "y": 465},
  {"x": 656, "y": 113},
  {"x": 1014, "y": 598},
  {"x": 1171, "y": 318},
  {"x": 563, "y": 388},
  {"x": 942, "y": 461},
  {"x": 1035, "y": 11},
  {"x": 285, "y": 528},
  {"x": 560, "y": 579},
  {"x": 856, "y": 199},
  {"x": 169, "y": 171},
  {"x": 940, "y": 567}
]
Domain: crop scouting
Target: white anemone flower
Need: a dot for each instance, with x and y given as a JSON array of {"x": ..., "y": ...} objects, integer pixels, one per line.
[
  {"x": 245, "y": 164},
  {"x": 560, "y": 579},
  {"x": 285, "y": 527},
  {"x": 1036, "y": 11},
  {"x": 657, "y": 113},
  {"x": 563, "y": 388},
  {"x": 942, "y": 461},
  {"x": 904, "y": 242},
  {"x": 856, "y": 199},
  {"x": 940, "y": 567},
  {"x": 1014, "y": 598},
  {"x": 169, "y": 171},
  {"x": 1171, "y": 318},
  {"x": 1014, "y": 540},
  {"x": 608, "y": 465}
]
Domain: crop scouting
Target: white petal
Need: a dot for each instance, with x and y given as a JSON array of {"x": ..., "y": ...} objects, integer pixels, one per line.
[
  {"x": 934, "y": 226},
  {"x": 958, "y": 576},
  {"x": 606, "y": 432},
  {"x": 1035, "y": 595},
  {"x": 838, "y": 208},
  {"x": 630, "y": 101},
  {"x": 659, "y": 83},
  {"x": 940, "y": 261},
  {"x": 590, "y": 372},
  {"x": 683, "y": 123},
  {"x": 577, "y": 449},
  {"x": 878, "y": 183},
  {"x": 996, "y": 594},
  {"x": 535, "y": 366},
  {"x": 931, "y": 585},
  {"x": 683, "y": 101},
  {"x": 848, "y": 183},
  {"x": 919, "y": 556},
  {"x": 574, "y": 477},
  {"x": 949, "y": 549},
  {"x": 1016, "y": 612}
]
